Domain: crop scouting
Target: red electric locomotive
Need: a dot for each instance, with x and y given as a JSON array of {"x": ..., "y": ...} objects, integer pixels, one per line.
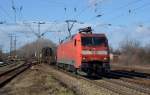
[{"x": 84, "y": 51}]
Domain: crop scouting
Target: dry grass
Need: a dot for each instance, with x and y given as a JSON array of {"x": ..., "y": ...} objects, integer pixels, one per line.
[
  {"x": 79, "y": 86},
  {"x": 35, "y": 82}
]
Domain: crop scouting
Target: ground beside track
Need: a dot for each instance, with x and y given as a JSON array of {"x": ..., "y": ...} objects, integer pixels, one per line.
[
  {"x": 35, "y": 82},
  {"x": 80, "y": 85},
  {"x": 136, "y": 68},
  {"x": 43, "y": 79}
]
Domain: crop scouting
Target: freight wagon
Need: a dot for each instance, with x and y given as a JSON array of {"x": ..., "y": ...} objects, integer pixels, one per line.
[
  {"x": 84, "y": 51},
  {"x": 48, "y": 55}
]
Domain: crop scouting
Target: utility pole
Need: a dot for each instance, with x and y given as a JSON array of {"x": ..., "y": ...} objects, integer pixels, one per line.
[
  {"x": 39, "y": 31},
  {"x": 1, "y": 52},
  {"x": 70, "y": 24},
  {"x": 15, "y": 41},
  {"x": 15, "y": 10},
  {"x": 39, "y": 35},
  {"x": 11, "y": 44},
  {"x": 1, "y": 46}
]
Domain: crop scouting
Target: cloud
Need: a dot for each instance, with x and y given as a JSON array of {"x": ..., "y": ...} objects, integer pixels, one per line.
[{"x": 143, "y": 29}]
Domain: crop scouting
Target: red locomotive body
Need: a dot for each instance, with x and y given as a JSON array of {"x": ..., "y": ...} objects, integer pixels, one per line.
[{"x": 84, "y": 51}]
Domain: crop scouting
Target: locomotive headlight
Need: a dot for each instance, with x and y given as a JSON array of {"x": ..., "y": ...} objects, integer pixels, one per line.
[
  {"x": 83, "y": 58},
  {"x": 102, "y": 52},
  {"x": 105, "y": 58},
  {"x": 84, "y": 52}
]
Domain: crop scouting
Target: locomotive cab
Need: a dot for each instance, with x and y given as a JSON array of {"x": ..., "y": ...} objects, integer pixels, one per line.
[{"x": 94, "y": 53}]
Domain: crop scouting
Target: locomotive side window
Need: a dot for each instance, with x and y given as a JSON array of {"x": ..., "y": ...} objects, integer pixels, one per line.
[
  {"x": 93, "y": 41},
  {"x": 75, "y": 42}
]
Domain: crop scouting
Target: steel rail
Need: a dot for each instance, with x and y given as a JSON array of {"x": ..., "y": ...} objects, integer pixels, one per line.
[{"x": 7, "y": 76}]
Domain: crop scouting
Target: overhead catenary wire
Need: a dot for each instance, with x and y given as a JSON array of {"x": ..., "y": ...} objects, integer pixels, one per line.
[
  {"x": 17, "y": 11},
  {"x": 140, "y": 7},
  {"x": 125, "y": 6},
  {"x": 5, "y": 12},
  {"x": 129, "y": 4},
  {"x": 1, "y": 30},
  {"x": 62, "y": 5},
  {"x": 54, "y": 2},
  {"x": 84, "y": 10},
  {"x": 81, "y": 12},
  {"x": 118, "y": 9},
  {"x": 77, "y": 9},
  {"x": 129, "y": 11},
  {"x": 20, "y": 12},
  {"x": 28, "y": 25}
]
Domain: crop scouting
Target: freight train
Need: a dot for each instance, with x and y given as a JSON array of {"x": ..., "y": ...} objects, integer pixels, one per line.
[{"x": 84, "y": 51}]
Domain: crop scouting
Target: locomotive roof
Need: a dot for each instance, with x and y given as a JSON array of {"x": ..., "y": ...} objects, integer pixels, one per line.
[
  {"x": 84, "y": 35},
  {"x": 95, "y": 34},
  {"x": 88, "y": 35}
]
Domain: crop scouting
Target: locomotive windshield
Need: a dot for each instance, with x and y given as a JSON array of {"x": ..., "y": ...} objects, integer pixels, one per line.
[{"x": 93, "y": 41}]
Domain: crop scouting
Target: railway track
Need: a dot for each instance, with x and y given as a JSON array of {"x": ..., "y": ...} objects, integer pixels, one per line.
[
  {"x": 139, "y": 79},
  {"x": 4, "y": 64},
  {"x": 117, "y": 86},
  {"x": 125, "y": 81},
  {"x": 120, "y": 87},
  {"x": 131, "y": 68},
  {"x": 132, "y": 74},
  {"x": 8, "y": 75}
]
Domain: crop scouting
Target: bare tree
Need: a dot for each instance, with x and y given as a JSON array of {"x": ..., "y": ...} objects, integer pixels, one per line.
[
  {"x": 29, "y": 50},
  {"x": 133, "y": 53}
]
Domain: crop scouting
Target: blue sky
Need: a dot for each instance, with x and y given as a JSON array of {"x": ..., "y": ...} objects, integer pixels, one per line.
[{"x": 128, "y": 19}]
